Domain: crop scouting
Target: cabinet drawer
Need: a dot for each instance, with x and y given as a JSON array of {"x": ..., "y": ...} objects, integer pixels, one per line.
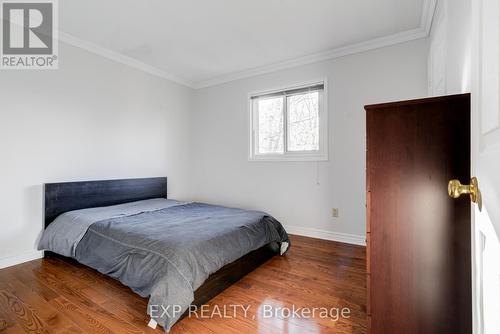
[
  {"x": 368, "y": 211},
  {"x": 368, "y": 294},
  {"x": 368, "y": 253}
]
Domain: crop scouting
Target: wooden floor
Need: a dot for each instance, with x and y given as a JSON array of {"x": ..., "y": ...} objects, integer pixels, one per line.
[{"x": 53, "y": 296}]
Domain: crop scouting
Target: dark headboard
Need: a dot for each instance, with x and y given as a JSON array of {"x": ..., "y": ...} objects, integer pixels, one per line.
[{"x": 68, "y": 196}]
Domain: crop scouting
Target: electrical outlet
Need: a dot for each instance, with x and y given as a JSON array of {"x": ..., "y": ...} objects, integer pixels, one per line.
[{"x": 335, "y": 212}]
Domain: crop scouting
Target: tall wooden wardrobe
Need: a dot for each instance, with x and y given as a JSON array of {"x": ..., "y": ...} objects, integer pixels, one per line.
[{"x": 418, "y": 237}]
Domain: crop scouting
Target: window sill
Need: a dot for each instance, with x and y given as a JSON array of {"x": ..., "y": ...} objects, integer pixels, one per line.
[{"x": 289, "y": 158}]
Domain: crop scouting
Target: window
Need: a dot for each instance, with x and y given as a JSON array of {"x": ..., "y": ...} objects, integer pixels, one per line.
[{"x": 289, "y": 124}]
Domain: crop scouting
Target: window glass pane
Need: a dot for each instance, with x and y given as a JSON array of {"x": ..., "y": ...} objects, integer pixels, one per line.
[
  {"x": 270, "y": 114},
  {"x": 303, "y": 122}
]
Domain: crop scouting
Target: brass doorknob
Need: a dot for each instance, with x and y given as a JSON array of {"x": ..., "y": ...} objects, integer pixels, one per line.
[{"x": 456, "y": 189}]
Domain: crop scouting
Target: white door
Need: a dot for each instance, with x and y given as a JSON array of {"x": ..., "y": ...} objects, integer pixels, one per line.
[{"x": 486, "y": 164}]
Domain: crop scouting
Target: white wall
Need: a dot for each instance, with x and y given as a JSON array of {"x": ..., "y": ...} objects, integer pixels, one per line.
[
  {"x": 450, "y": 56},
  {"x": 91, "y": 119},
  {"x": 288, "y": 190}
]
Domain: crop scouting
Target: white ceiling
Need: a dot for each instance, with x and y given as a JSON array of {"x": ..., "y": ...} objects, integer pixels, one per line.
[{"x": 203, "y": 42}]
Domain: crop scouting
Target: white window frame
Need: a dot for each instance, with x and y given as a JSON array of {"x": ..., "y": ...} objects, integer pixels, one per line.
[{"x": 318, "y": 155}]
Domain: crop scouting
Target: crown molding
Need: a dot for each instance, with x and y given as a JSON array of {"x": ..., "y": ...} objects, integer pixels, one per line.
[
  {"x": 318, "y": 57},
  {"x": 423, "y": 31},
  {"x": 121, "y": 58},
  {"x": 428, "y": 11}
]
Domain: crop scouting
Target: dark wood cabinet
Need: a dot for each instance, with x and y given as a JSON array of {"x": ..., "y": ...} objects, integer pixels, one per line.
[{"x": 418, "y": 238}]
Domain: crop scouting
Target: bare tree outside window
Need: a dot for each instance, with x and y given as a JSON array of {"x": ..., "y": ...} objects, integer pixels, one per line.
[
  {"x": 271, "y": 125},
  {"x": 303, "y": 122}
]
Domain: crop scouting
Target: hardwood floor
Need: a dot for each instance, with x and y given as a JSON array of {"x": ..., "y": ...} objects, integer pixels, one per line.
[{"x": 54, "y": 296}]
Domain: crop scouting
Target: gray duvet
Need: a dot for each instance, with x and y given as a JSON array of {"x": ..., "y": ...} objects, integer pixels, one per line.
[{"x": 160, "y": 248}]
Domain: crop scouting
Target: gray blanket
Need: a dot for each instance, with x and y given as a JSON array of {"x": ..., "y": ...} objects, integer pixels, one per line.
[{"x": 167, "y": 253}]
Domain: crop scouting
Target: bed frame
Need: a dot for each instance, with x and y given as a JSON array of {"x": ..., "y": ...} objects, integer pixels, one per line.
[{"x": 68, "y": 196}]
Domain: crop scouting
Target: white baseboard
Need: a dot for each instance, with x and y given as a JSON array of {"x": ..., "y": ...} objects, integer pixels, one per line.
[
  {"x": 21, "y": 258},
  {"x": 327, "y": 235},
  {"x": 303, "y": 231}
]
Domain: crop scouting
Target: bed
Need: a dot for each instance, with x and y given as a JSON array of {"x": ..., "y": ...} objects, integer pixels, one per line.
[{"x": 175, "y": 253}]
